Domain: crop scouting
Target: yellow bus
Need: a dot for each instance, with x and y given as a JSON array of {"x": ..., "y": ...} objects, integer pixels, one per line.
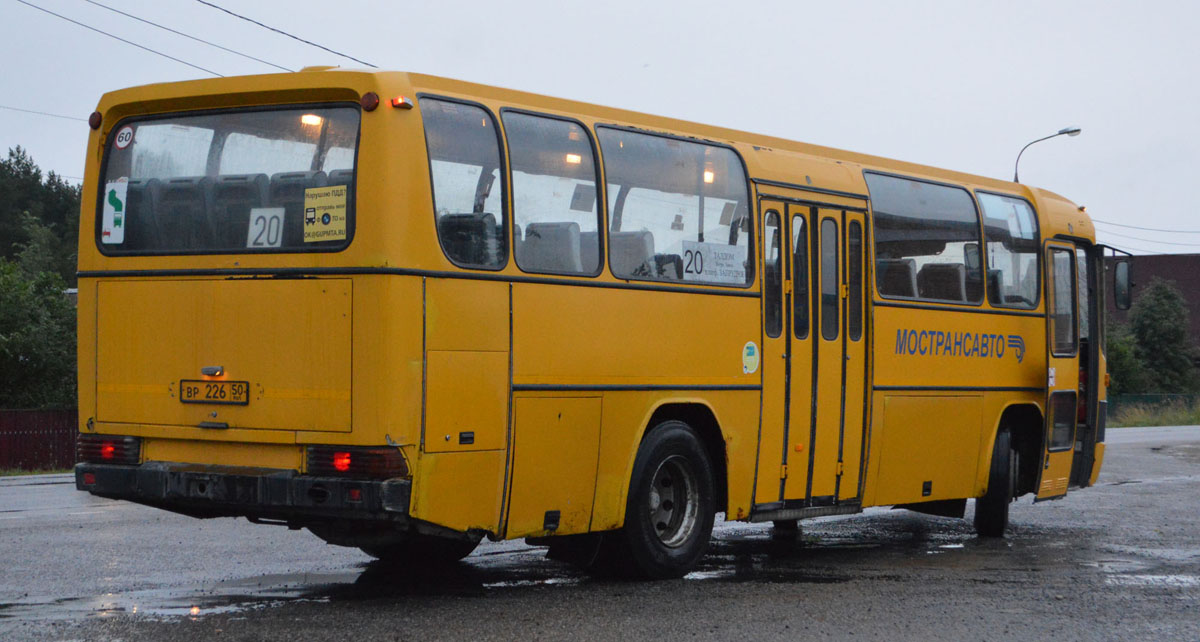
[{"x": 407, "y": 312}]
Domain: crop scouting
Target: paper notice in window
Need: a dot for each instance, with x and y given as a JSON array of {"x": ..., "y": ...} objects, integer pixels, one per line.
[
  {"x": 112, "y": 227},
  {"x": 714, "y": 262},
  {"x": 325, "y": 214}
]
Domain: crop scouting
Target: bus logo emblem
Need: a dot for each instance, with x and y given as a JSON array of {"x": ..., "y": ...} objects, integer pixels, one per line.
[
  {"x": 1017, "y": 343},
  {"x": 750, "y": 358}
]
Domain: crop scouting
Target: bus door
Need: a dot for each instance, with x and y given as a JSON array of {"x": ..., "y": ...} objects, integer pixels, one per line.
[
  {"x": 802, "y": 358},
  {"x": 1089, "y": 262},
  {"x": 814, "y": 355},
  {"x": 839, "y": 356},
  {"x": 1062, "y": 368},
  {"x": 772, "y": 445}
]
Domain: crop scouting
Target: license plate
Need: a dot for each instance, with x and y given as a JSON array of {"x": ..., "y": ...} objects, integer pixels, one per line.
[{"x": 222, "y": 392}]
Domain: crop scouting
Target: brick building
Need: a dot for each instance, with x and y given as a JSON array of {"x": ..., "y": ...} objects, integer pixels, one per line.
[{"x": 1182, "y": 269}]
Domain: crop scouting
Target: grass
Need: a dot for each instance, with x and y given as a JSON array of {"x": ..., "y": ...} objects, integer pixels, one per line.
[
  {"x": 17, "y": 472},
  {"x": 1176, "y": 413}
]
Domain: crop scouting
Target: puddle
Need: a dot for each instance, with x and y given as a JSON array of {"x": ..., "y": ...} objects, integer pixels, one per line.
[{"x": 1117, "y": 565}]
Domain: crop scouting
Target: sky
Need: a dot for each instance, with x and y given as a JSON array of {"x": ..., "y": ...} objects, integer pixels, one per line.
[{"x": 961, "y": 85}]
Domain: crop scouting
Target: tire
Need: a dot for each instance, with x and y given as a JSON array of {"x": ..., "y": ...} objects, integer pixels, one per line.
[
  {"x": 670, "y": 508},
  {"x": 414, "y": 549},
  {"x": 991, "y": 510}
]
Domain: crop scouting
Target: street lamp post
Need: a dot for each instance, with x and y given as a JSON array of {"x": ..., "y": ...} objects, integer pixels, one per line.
[{"x": 1069, "y": 131}]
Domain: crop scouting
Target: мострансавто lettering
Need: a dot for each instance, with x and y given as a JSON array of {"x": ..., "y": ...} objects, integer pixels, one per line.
[{"x": 959, "y": 344}]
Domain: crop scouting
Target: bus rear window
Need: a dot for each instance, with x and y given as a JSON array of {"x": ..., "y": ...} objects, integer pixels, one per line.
[{"x": 234, "y": 181}]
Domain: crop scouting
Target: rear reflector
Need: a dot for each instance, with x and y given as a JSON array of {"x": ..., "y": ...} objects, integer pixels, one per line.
[
  {"x": 89, "y": 479},
  {"x": 108, "y": 449},
  {"x": 356, "y": 463}
]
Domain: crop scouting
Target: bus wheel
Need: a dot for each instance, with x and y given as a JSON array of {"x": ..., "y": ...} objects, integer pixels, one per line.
[
  {"x": 415, "y": 549},
  {"x": 669, "y": 513},
  {"x": 991, "y": 510}
]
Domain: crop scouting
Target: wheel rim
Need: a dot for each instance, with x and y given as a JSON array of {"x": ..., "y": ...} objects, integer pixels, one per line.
[{"x": 674, "y": 501}]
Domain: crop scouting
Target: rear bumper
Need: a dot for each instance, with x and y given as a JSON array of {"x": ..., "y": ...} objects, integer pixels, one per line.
[{"x": 259, "y": 493}]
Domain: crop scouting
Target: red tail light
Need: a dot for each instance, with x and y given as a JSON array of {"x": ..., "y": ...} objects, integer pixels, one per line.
[
  {"x": 108, "y": 449},
  {"x": 358, "y": 463}
]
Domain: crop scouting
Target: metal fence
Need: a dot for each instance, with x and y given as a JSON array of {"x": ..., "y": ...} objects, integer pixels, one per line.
[
  {"x": 38, "y": 439},
  {"x": 1118, "y": 402}
]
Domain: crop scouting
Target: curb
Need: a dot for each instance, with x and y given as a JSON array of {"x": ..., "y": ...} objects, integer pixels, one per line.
[{"x": 37, "y": 480}]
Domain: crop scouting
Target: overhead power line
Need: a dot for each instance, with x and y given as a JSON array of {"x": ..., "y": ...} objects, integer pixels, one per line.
[
  {"x": 1138, "y": 238},
  {"x": 42, "y": 113},
  {"x": 128, "y": 42},
  {"x": 282, "y": 32},
  {"x": 1148, "y": 229},
  {"x": 180, "y": 33}
]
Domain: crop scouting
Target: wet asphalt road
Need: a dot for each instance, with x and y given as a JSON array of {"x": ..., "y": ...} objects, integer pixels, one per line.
[{"x": 1119, "y": 561}]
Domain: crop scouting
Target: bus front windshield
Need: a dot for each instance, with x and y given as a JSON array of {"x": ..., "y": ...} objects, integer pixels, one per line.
[{"x": 234, "y": 181}]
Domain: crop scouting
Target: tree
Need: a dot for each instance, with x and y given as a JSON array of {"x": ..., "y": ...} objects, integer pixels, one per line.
[
  {"x": 39, "y": 229},
  {"x": 1128, "y": 374},
  {"x": 38, "y": 213},
  {"x": 1159, "y": 322},
  {"x": 37, "y": 340}
]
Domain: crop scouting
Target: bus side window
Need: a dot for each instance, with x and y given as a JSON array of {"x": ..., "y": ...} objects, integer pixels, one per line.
[
  {"x": 854, "y": 268},
  {"x": 800, "y": 277},
  {"x": 772, "y": 276},
  {"x": 829, "y": 280},
  {"x": 928, "y": 231},
  {"x": 1061, "y": 306},
  {"x": 468, "y": 189},
  {"x": 554, "y": 194},
  {"x": 688, "y": 199},
  {"x": 1011, "y": 232}
]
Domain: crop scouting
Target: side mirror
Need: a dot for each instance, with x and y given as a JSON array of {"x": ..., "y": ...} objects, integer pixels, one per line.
[{"x": 1122, "y": 296}]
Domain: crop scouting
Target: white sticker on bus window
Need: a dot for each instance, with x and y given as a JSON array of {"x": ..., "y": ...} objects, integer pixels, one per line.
[
  {"x": 112, "y": 226},
  {"x": 266, "y": 227},
  {"x": 750, "y": 358},
  {"x": 714, "y": 262}
]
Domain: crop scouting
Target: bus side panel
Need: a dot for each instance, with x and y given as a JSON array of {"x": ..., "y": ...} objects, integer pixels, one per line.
[
  {"x": 459, "y": 477},
  {"x": 387, "y": 362},
  {"x": 467, "y": 366},
  {"x": 459, "y": 490},
  {"x": 927, "y": 447},
  {"x": 582, "y": 336},
  {"x": 626, "y": 417},
  {"x": 85, "y": 315},
  {"x": 555, "y": 442}
]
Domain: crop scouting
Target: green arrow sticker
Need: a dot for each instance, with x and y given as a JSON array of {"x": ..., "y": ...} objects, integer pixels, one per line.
[
  {"x": 113, "y": 229},
  {"x": 114, "y": 201}
]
